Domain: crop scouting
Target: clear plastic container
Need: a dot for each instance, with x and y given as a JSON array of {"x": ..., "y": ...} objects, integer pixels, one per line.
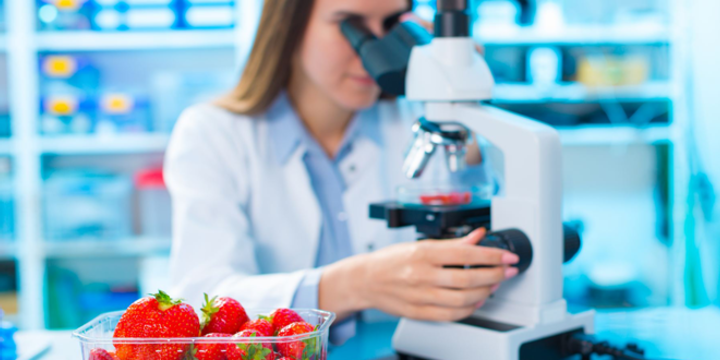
[
  {"x": 7, "y": 213},
  {"x": 87, "y": 205},
  {"x": 155, "y": 204},
  {"x": 99, "y": 334}
]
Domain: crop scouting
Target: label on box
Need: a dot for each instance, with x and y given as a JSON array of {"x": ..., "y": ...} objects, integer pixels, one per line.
[
  {"x": 58, "y": 66},
  {"x": 61, "y": 105},
  {"x": 117, "y": 103}
]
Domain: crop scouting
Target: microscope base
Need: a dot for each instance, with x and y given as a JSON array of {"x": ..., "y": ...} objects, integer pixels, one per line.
[{"x": 476, "y": 338}]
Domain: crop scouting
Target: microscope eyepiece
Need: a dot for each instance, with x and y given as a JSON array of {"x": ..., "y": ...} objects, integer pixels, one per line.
[
  {"x": 385, "y": 59},
  {"x": 452, "y": 5},
  {"x": 452, "y": 19}
]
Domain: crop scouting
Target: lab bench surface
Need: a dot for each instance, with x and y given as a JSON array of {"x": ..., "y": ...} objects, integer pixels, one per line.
[{"x": 667, "y": 333}]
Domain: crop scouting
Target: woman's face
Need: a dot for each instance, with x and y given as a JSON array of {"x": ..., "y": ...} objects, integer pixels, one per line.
[{"x": 327, "y": 60}]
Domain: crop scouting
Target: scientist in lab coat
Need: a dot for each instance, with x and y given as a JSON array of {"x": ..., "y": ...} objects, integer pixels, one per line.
[{"x": 271, "y": 184}]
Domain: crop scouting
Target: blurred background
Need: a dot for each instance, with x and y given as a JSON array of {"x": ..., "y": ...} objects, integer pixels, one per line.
[{"x": 90, "y": 90}]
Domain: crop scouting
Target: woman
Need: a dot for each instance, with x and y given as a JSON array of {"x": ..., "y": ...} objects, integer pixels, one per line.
[{"x": 271, "y": 183}]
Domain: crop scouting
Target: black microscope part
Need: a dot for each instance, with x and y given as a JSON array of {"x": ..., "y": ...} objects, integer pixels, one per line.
[
  {"x": 385, "y": 59},
  {"x": 452, "y": 19},
  {"x": 448, "y": 222},
  {"x": 579, "y": 343}
]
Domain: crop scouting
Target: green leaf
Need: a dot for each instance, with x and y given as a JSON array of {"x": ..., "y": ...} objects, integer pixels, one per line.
[
  {"x": 166, "y": 302},
  {"x": 209, "y": 309}
]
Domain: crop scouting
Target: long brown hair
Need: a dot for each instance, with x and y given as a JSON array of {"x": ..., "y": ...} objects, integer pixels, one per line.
[{"x": 268, "y": 69}]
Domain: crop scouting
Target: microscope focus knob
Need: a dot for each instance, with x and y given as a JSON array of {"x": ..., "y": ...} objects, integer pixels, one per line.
[{"x": 512, "y": 240}]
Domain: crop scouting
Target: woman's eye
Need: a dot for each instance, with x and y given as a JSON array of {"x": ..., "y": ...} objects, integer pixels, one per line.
[{"x": 390, "y": 22}]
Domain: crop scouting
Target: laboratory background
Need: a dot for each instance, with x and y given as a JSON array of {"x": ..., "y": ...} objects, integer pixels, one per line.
[{"x": 90, "y": 91}]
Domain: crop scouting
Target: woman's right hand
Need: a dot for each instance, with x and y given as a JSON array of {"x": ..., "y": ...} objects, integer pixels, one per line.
[{"x": 410, "y": 279}]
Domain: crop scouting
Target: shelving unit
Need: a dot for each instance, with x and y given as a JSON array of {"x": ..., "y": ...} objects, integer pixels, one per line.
[
  {"x": 136, "y": 40},
  {"x": 23, "y": 43},
  {"x": 584, "y": 35},
  {"x": 108, "y": 144},
  {"x": 576, "y": 93},
  {"x": 613, "y": 135},
  {"x": 137, "y": 246}
]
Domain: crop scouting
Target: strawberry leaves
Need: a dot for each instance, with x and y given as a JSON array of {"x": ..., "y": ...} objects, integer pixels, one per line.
[
  {"x": 254, "y": 351},
  {"x": 165, "y": 302},
  {"x": 209, "y": 309}
]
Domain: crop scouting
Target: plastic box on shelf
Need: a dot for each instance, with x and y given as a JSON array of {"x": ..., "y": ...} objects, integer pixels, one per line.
[
  {"x": 87, "y": 205},
  {"x": 114, "y": 15},
  {"x": 173, "y": 91},
  {"x": 7, "y": 211},
  {"x": 7, "y": 203},
  {"x": 208, "y": 14},
  {"x": 99, "y": 334},
  {"x": 75, "y": 102},
  {"x": 154, "y": 201},
  {"x": 4, "y": 126}
]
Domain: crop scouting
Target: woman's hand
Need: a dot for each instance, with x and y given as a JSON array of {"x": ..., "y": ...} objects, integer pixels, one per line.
[{"x": 410, "y": 279}]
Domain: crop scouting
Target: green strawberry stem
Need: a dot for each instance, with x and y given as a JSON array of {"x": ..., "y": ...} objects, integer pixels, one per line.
[
  {"x": 209, "y": 309},
  {"x": 165, "y": 301}
]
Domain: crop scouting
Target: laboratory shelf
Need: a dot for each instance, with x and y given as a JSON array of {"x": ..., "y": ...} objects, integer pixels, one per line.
[
  {"x": 104, "y": 144},
  {"x": 575, "y": 92},
  {"x": 135, "y": 40},
  {"x": 573, "y": 35},
  {"x": 6, "y": 147},
  {"x": 132, "y": 247},
  {"x": 613, "y": 135}
]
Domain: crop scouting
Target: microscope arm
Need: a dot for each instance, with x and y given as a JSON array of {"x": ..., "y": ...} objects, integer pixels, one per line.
[{"x": 530, "y": 202}]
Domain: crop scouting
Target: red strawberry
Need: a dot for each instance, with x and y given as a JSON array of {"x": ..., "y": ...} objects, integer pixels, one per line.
[
  {"x": 207, "y": 351},
  {"x": 102, "y": 354},
  {"x": 281, "y": 318},
  {"x": 263, "y": 327},
  {"x": 223, "y": 316},
  {"x": 158, "y": 316},
  {"x": 249, "y": 350},
  {"x": 298, "y": 350}
]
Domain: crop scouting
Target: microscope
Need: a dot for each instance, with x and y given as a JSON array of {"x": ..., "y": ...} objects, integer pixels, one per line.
[{"x": 527, "y": 318}]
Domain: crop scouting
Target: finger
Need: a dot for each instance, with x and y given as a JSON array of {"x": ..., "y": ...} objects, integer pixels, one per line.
[
  {"x": 454, "y": 298},
  {"x": 474, "y": 237},
  {"x": 463, "y": 252},
  {"x": 472, "y": 278},
  {"x": 480, "y": 48},
  {"x": 438, "y": 313},
  {"x": 411, "y": 16}
]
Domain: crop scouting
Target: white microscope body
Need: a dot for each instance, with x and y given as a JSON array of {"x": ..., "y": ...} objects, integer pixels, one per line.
[{"x": 451, "y": 78}]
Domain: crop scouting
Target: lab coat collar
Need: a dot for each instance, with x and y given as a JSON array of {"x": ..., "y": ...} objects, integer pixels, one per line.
[{"x": 287, "y": 132}]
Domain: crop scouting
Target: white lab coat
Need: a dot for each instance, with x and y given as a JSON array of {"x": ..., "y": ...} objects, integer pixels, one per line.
[{"x": 247, "y": 227}]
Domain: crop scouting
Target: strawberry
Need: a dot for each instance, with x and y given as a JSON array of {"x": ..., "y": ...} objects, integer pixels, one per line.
[
  {"x": 208, "y": 351},
  {"x": 298, "y": 350},
  {"x": 222, "y": 315},
  {"x": 263, "y": 327},
  {"x": 281, "y": 318},
  {"x": 102, "y": 354},
  {"x": 249, "y": 350},
  {"x": 157, "y": 316}
]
